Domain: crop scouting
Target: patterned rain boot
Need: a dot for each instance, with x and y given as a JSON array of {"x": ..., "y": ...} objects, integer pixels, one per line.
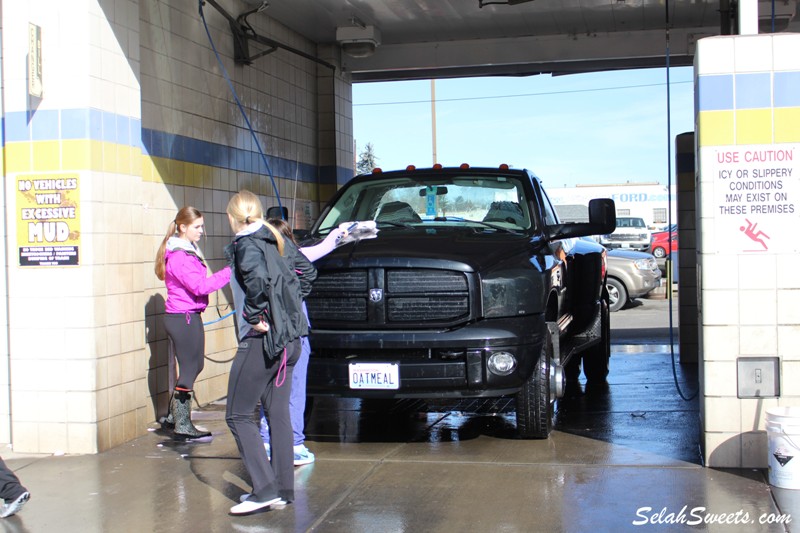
[{"x": 181, "y": 411}]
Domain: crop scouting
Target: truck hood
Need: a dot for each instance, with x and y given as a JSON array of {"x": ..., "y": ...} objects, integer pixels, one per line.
[{"x": 464, "y": 249}]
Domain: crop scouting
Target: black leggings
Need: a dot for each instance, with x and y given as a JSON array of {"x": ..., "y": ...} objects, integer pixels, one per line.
[{"x": 186, "y": 332}]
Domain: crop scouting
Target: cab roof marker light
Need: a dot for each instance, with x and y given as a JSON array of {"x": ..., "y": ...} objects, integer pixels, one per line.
[
  {"x": 411, "y": 168},
  {"x": 377, "y": 170},
  {"x": 504, "y": 166},
  {"x": 437, "y": 166},
  {"x": 464, "y": 166}
]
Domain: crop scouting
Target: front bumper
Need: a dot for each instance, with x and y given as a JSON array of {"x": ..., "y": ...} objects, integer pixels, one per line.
[
  {"x": 637, "y": 246},
  {"x": 649, "y": 280},
  {"x": 449, "y": 363}
]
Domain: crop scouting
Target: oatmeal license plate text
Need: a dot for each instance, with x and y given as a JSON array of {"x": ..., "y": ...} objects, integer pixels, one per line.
[{"x": 374, "y": 376}]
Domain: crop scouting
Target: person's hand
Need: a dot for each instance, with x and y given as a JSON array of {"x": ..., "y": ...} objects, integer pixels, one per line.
[{"x": 261, "y": 327}]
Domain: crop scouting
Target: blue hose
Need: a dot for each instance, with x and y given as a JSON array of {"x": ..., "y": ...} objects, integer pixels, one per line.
[{"x": 241, "y": 108}]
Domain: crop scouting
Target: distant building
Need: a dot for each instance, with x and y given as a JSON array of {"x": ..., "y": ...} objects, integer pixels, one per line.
[
  {"x": 650, "y": 201},
  {"x": 572, "y": 212}
]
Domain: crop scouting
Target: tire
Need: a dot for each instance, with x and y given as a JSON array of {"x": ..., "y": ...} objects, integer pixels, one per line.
[
  {"x": 535, "y": 404},
  {"x": 617, "y": 294},
  {"x": 596, "y": 358},
  {"x": 659, "y": 252}
]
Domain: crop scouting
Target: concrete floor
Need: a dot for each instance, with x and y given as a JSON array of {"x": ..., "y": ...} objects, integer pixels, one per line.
[{"x": 622, "y": 458}]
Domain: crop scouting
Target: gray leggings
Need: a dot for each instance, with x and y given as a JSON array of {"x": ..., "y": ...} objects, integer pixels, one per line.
[
  {"x": 189, "y": 339},
  {"x": 253, "y": 379}
]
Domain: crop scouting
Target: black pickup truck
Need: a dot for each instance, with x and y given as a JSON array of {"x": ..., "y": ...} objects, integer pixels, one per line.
[{"x": 470, "y": 288}]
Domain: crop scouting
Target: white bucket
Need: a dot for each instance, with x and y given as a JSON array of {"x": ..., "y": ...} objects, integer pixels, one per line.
[{"x": 783, "y": 433}]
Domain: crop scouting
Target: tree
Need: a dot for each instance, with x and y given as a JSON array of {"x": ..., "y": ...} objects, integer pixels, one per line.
[{"x": 366, "y": 160}]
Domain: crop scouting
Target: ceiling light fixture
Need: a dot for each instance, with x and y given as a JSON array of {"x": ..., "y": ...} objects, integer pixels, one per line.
[{"x": 357, "y": 41}]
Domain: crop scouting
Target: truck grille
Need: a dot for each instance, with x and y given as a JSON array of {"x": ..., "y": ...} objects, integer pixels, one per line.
[{"x": 380, "y": 297}]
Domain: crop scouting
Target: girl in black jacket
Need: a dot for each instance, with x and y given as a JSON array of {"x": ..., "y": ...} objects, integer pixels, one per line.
[{"x": 270, "y": 279}]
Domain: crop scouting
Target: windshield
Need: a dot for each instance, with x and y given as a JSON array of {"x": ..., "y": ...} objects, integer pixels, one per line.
[
  {"x": 489, "y": 202},
  {"x": 626, "y": 222}
]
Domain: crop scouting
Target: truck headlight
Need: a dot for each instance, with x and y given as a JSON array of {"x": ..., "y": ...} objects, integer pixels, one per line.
[{"x": 508, "y": 295}]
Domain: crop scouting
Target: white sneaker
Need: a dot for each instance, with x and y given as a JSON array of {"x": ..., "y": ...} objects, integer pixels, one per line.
[
  {"x": 249, "y": 506},
  {"x": 13, "y": 508},
  {"x": 302, "y": 456},
  {"x": 246, "y": 495}
]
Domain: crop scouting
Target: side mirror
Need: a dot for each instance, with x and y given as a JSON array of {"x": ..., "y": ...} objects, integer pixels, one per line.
[
  {"x": 278, "y": 212},
  {"x": 602, "y": 220},
  {"x": 603, "y": 212}
]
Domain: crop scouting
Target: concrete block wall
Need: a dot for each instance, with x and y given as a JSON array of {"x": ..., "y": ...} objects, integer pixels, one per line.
[
  {"x": 76, "y": 357},
  {"x": 748, "y": 200},
  {"x": 136, "y": 108}
]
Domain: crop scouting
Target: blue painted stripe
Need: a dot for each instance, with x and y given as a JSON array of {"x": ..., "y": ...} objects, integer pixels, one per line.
[
  {"x": 753, "y": 91},
  {"x": 44, "y": 125},
  {"x": 17, "y": 128},
  {"x": 97, "y": 125},
  {"x": 787, "y": 89},
  {"x": 75, "y": 124},
  {"x": 715, "y": 93},
  {"x": 180, "y": 148}
]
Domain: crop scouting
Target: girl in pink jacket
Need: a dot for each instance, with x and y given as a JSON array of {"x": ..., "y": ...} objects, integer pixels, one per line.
[{"x": 185, "y": 274}]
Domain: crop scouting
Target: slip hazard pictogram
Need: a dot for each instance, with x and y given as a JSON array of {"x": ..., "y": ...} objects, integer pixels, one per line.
[{"x": 754, "y": 234}]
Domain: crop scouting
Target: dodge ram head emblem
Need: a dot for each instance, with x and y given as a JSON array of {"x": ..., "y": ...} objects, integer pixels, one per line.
[{"x": 375, "y": 295}]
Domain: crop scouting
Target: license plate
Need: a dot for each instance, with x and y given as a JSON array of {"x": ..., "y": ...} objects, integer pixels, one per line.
[{"x": 374, "y": 376}]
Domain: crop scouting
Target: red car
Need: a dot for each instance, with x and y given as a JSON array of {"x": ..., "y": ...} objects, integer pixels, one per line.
[{"x": 661, "y": 242}]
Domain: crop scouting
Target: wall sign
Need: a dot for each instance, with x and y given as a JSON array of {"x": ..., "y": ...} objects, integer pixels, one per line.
[
  {"x": 756, "y": 197},
  {"x": 48, "y": 219},
  {"x": 35, "y": 85}
]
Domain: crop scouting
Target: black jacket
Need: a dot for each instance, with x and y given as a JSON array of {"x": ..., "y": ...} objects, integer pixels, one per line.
[{"x": 274, "y": 286}]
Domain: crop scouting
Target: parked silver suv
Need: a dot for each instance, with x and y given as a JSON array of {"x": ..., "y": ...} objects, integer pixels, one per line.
[{"x": 630, "y": 275}]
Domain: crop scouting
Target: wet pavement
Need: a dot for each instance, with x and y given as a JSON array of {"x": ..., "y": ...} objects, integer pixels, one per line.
[{"x": 622, "y": 457}]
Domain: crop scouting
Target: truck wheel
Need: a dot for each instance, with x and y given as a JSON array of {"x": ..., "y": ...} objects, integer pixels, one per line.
[
  {"x": 595, "y": 359},
  {"x": 534, "y": 401},
  {"x": 617, "y": 295}
]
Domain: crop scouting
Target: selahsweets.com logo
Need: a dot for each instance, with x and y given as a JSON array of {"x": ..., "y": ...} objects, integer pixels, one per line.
[{"x": 701, "y": 515}]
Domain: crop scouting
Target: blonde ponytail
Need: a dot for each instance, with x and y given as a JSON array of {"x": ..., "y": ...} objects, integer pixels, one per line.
[{"x": 245, "y": 208}]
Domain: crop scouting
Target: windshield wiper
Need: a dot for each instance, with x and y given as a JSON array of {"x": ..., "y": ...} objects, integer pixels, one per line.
[
  {"x": 481, "y": 222},
  {"x": 395, "y": 224}
]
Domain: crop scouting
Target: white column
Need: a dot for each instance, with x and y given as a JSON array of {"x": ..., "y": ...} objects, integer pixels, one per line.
[{"x": 748, "y": 17}]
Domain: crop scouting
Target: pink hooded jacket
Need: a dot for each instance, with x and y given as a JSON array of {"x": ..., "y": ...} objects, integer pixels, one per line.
[{"x": 187, "y": 280}]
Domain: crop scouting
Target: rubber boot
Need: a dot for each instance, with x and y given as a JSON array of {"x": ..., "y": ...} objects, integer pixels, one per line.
[{"x": 181, "y": 410}]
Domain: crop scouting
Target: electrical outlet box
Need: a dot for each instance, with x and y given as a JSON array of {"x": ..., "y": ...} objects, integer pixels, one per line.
[{"x": 758, "y": 377}]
